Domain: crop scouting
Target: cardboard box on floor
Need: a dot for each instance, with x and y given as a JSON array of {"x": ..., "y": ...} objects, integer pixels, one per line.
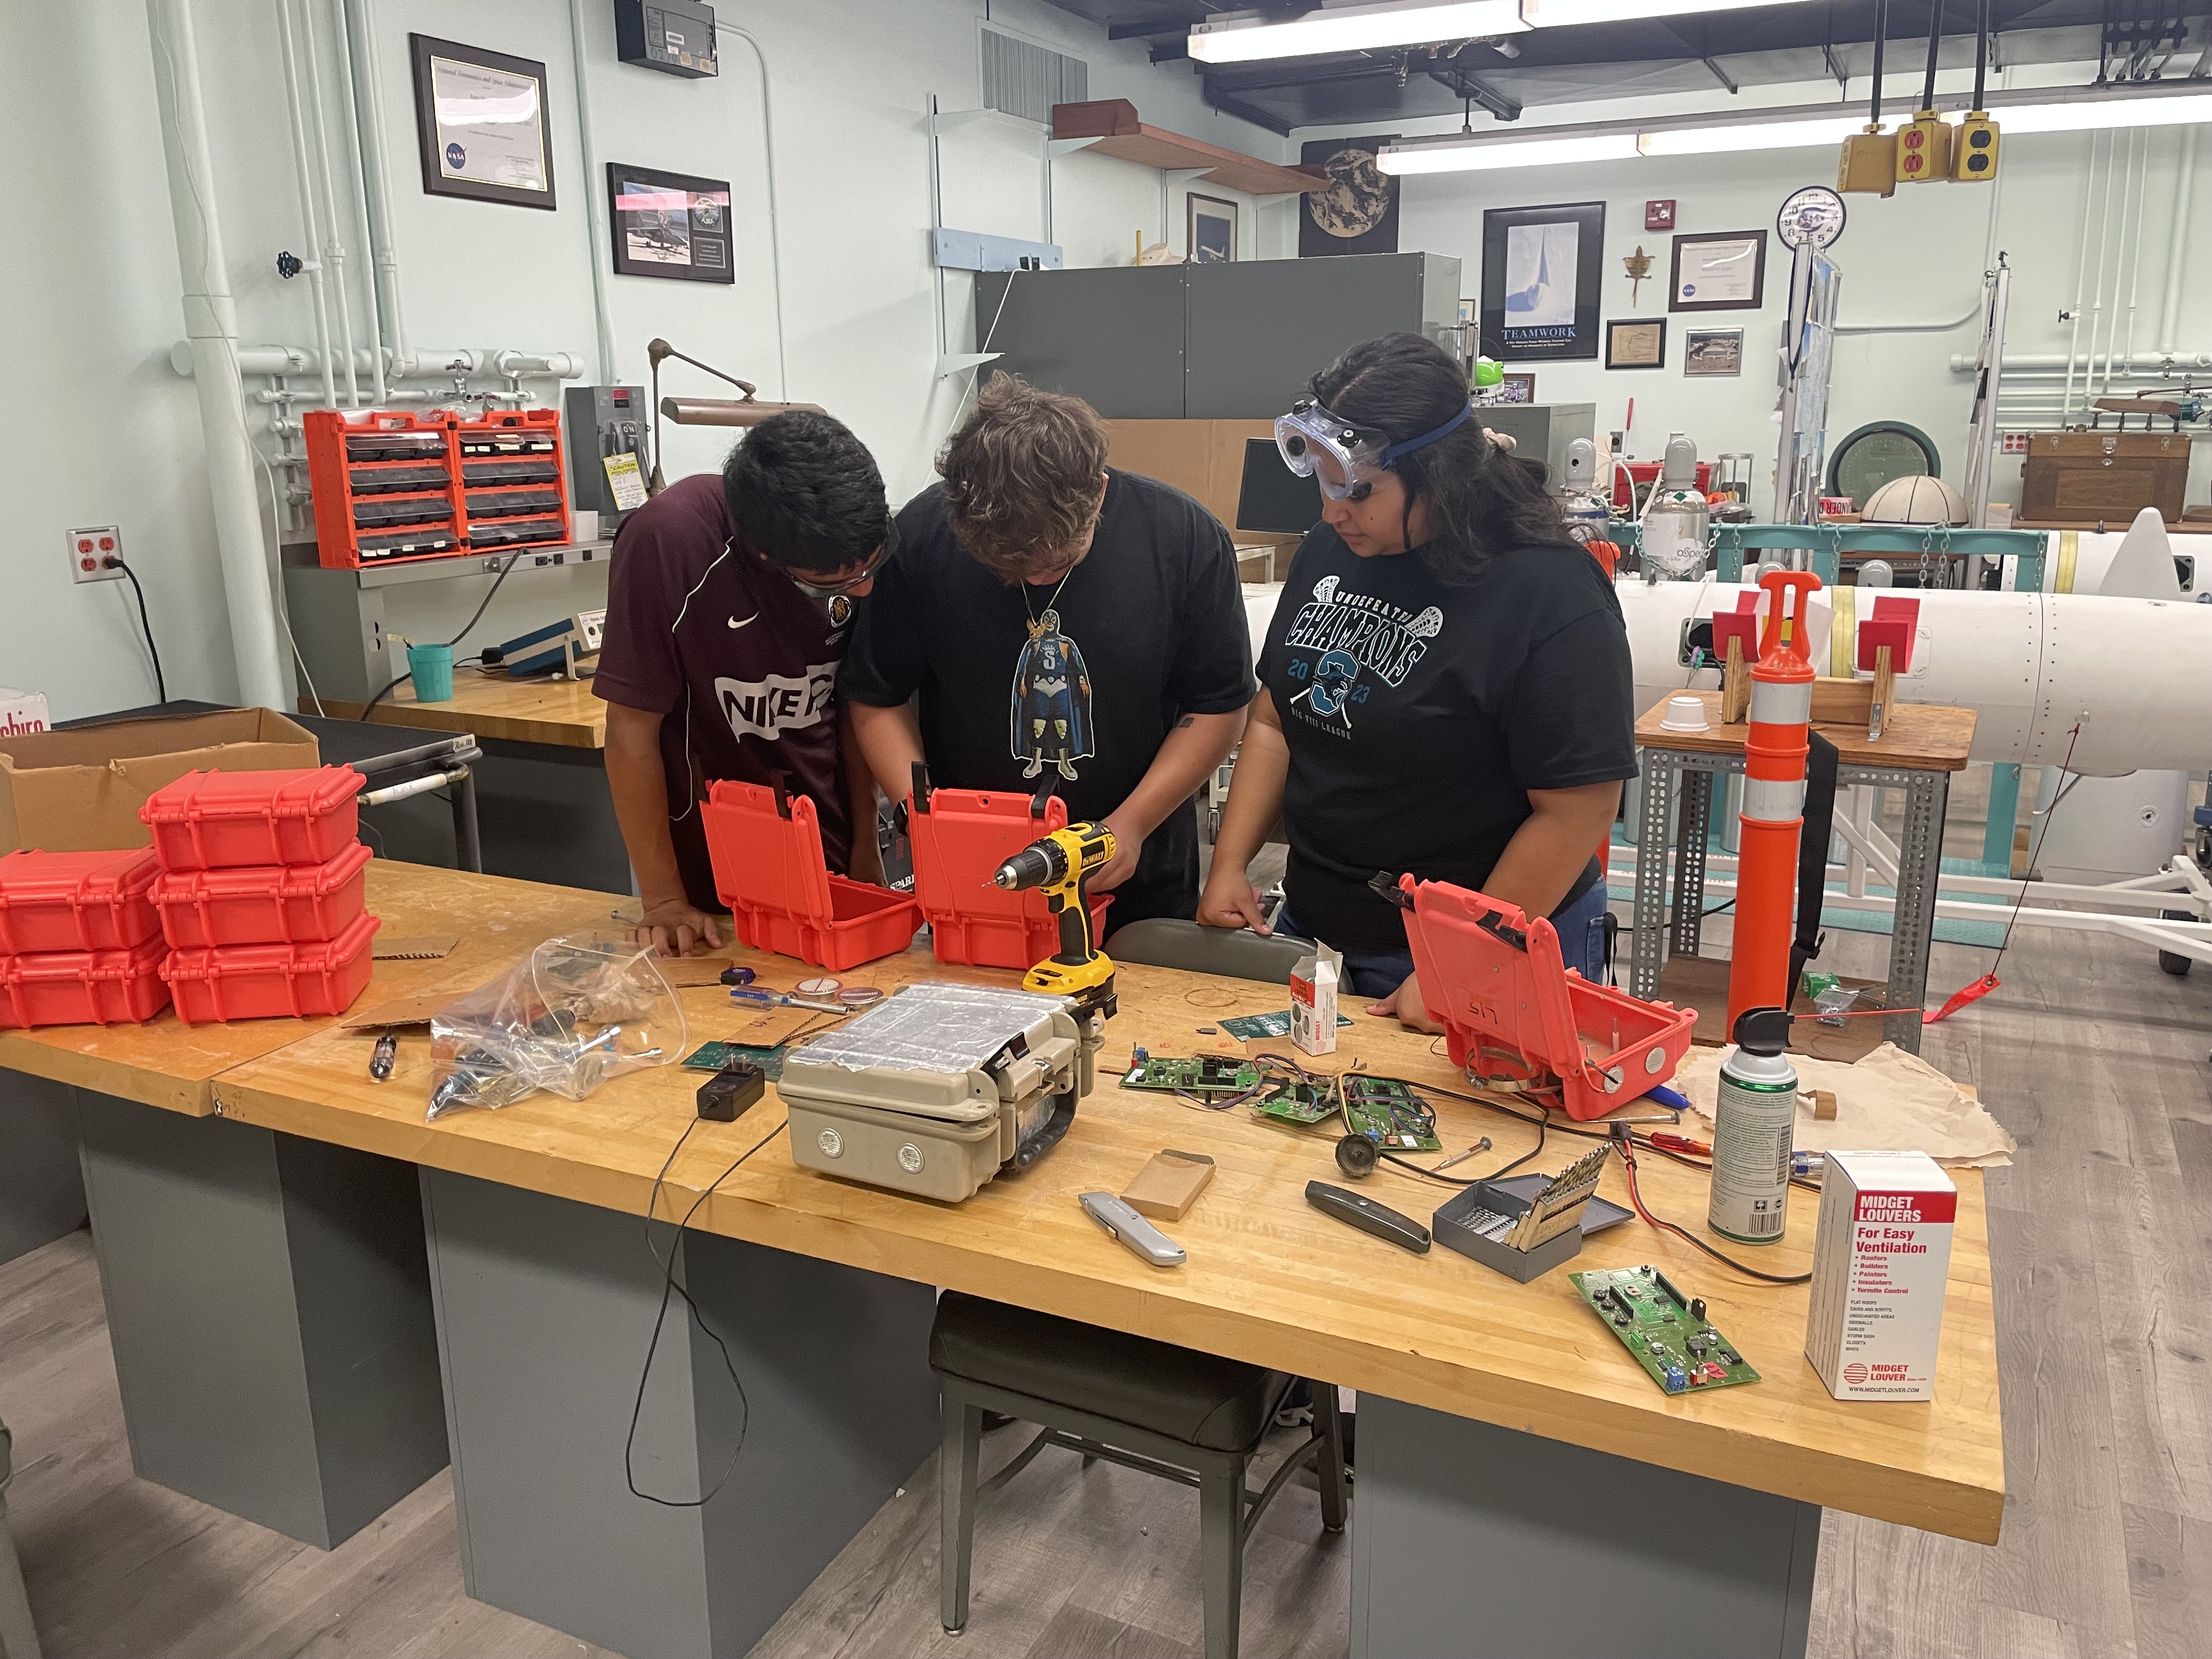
[{"x": 78, "y": 790}]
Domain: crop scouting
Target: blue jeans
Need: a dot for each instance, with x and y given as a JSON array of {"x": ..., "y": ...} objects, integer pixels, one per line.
[{"x": 1581, "y": 927}]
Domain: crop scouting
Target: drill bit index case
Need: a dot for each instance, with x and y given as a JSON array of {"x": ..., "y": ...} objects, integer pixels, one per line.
[{"x": 936, "y": 1090}]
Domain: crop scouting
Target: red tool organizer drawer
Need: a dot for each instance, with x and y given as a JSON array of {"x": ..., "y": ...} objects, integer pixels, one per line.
[
  {"x": 83, "y": 988},
  {"x": 273, "y": 981},
  {"x": 262, "y": 904},
  {"x": 498, "y": 452},
  {"x": 76, "y": 900},
  {"x": 387, "y": 485},
  {"x": 219, "y": 820}
]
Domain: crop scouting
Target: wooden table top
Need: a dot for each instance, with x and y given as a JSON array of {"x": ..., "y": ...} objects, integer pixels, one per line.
[
  {"x": 169, "y": 1064},
  {"x": 1917, "y": 736},
  {"x": 565, "y": 713},
  {"x": 1270, "y": 1279}
]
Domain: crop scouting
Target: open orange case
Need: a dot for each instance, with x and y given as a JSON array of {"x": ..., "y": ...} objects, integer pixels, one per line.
[
  {"x": 960, "y": 838},
  {"x": 765, "y": 844}
]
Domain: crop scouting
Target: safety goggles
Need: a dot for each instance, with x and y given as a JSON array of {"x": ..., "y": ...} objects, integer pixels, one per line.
[
  {"x": 1342, "y": 458},
  {"x": 865, "y": 575}
]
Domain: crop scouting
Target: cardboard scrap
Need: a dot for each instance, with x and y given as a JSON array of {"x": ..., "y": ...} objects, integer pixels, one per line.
[
  {"x": 1890, "y": 1101},
  {"x": 1168, "y": 1184},
  {"x": 400, "y": 1011}
]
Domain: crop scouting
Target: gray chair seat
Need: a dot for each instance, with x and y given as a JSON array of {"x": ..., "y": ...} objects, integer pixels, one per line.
[
  {"x": 1199, "y": 1398},
  {"x": 1231, "y": 952}
]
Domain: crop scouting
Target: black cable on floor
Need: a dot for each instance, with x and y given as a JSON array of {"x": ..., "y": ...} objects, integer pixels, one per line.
[
  {"x": 160, "y": 685},
  {"x": 669, "y": 1289}
]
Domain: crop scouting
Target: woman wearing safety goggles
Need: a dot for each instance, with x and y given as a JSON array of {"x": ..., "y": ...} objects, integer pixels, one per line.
[{"x": 1445, "y": 688}]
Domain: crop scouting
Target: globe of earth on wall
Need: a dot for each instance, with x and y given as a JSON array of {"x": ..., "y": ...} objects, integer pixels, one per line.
[{"x": 1357, "y": 197}]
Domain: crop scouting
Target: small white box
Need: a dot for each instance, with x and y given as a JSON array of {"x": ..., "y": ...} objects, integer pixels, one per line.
[
  {"x": 1882, "y": 1254},
  {"x": 21, "y": 712},
  {"x": 1313, "y": 1000}
]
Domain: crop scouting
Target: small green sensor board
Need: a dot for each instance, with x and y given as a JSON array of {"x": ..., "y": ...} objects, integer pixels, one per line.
[
  {"x": 718, "y": 1056},
  {"x": 1301, "y": 1105},
  {"x": 1206, "y": 1074},
  {"x": 1389, "y": 1114},
  {"x": 1668, "y": 1333}
]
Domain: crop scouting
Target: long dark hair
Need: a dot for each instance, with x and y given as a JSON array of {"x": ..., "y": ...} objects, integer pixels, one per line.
[{"x": 1484, "y": 500}]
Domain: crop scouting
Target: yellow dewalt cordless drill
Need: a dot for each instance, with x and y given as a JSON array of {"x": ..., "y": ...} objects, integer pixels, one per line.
[{"x": 1062, "y": 864}]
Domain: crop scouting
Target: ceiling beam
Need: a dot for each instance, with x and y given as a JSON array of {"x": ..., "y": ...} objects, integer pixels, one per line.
[{"x": 1228, "y": 104}]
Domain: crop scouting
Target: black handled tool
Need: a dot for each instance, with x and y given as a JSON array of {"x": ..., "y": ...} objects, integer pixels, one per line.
[{"x": 1364, "y": 1213}]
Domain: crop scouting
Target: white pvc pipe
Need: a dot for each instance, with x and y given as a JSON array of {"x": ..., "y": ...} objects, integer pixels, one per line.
[
  {"x": 2081, "y": 271},
  {"x": 368, "y": 108},
  {"x": 334, "y": 253},
  {"x": 2184, "y": 198},
  {"x": 2104, "y": 248},
  {"x": 312, "y": 267},
  {"x": 355, "y": 178},
  {"x": 2032, "y": 365},
  {"x": 774, "y": 235},
  {"x": 2134, "y": 247},
  {"x": 211, "y": 325},
  {"x": 598, "y": 253},
  {"x": 432, "y": 363}
]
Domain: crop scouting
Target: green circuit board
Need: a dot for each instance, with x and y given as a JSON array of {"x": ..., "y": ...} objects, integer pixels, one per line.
[
  {"x": 1204, "y": 1074},
  {"x": 714, "y": 1056},
  {"x": 1389, "y": 1114},
  {"x": 1668, "y": 1333},
  {"x": 1301, "y": 1105}
]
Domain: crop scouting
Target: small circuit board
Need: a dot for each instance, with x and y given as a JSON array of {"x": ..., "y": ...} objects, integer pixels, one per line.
[
  {"x": 718, "y": 1056},
  {"x": 1204, "y": 1074},
  {"x": 1668, "y": 1333},
  {"x": 1301, "y": 1105},
  {"x": 1389, "y": 1114}
]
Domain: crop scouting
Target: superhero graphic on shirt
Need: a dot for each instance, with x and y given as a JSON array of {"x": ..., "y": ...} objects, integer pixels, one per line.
[{"x": 1049, "y": 721}]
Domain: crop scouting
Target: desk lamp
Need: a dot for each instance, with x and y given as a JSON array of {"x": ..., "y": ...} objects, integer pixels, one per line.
[{"x": 704, "y": 411}]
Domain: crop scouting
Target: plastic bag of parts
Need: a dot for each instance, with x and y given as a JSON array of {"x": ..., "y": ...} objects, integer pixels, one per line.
[{"x": 582, "y": 1008}]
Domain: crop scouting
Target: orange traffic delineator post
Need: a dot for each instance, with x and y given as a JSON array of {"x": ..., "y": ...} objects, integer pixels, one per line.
[{"x": 1773, "y": 813}]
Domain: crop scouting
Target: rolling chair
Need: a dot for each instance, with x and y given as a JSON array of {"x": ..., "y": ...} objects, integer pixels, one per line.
[
  {"x": 18, "y": 1640},
  {"x": 1231, "y": 952}
]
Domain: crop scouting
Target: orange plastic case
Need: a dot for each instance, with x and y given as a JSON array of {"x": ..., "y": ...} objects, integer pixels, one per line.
[
  {"x": 262, "y": 904},
  {"x": 272, "y": 981},
  {"x": 78, "y": 901},
  {"x": 766, "y": 848},
  {"x": 221, "y": 820},
  {"x": 1497, "y": 981},
  {"x": 386, "y": 486},
  {"x": 83, "y": 988},
  {"x": 515, "y": 486},
  {"x": 960, "y": 837}
]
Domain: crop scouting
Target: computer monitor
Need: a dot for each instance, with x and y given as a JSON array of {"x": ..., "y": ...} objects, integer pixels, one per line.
[{"x": 1272, "y": 498}]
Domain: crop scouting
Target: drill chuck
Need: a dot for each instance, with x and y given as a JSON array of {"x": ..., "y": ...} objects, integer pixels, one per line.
[{"x": 1033, "y": 867}]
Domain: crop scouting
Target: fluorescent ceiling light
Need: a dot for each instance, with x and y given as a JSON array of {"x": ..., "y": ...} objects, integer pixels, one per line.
[
  {"x": 1511, "y": 153},
  {"x": 1764, "y": 135},
  {"x": 1567, "y": 14},
  {"x": 2087, "y": 115},
  {"x": 1352, "y": 28}
]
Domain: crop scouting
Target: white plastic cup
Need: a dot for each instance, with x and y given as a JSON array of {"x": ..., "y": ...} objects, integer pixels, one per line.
[
  {"x": 1685, "y": 714},
  {"x": 583, "y": 525}
]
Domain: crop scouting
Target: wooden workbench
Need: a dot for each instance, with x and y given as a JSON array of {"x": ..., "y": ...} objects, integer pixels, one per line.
[
  {"x": 564, "y": 714},
  {"x": 1269, "y": 1280}
]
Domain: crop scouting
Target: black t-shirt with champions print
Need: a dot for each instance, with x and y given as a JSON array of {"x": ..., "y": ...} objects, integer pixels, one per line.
[
  {"x": 1022, "y": 686},
  {"x": 1419, "y": 716}
]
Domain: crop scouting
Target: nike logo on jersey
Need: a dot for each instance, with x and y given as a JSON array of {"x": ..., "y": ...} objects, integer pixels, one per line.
[{"x": 748, "y": 622}]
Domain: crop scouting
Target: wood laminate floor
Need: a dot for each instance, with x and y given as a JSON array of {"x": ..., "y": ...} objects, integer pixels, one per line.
[{"x": 2093, "y": 1057}]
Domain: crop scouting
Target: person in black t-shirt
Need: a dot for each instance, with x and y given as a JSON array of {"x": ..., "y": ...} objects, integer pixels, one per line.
[
  {"x": 1067, "y": 627},
  {"x": 1446, "y": 687}
]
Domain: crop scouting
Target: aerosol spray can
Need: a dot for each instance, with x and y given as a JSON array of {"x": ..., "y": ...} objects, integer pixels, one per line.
[{"x": 1754, "y": 1121}]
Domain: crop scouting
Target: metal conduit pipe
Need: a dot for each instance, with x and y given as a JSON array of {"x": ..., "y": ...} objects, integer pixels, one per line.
[
  {"x": 311, "y": 266},
  {"x": 2081, "y": 271},
  {"x": 360, "y": 192},
  {"x": 2184, "y": 196},
  {"x": 774, "y": 235},
  {"x": 376, "y": 195},
  {"x": 334, "y": 252},
  {"x": 211, "y": 328},
  {"x": 2035, "y": 365},
  {"x": 431, "y": 364},
  {"x": 602, "y": 318}
]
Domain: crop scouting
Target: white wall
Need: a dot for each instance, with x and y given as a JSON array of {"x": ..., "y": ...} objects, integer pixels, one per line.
[
  {"x": 1914, "y": 257},
  {"x": 88, "y": 274}
]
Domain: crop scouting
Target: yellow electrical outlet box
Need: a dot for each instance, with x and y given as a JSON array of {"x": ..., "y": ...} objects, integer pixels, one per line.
[
  {"x": 1975, "y": 150},
  {"x": 1869, "y": 163},
  {"x": 1924, "y": 150}
]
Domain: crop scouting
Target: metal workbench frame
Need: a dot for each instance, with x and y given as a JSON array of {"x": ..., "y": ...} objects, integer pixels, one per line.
[{"x": 1927, "y": 794}]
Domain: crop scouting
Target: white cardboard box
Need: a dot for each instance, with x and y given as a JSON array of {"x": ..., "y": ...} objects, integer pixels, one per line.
[
  {"x": 1882, "y": 1254},
  {"x": 1313, "y": 1000},
  {"x": 21, "y": 712}
]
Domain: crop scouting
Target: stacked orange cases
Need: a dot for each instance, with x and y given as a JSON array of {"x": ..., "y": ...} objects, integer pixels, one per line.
[
  {"x": 262, "y": 893},
  {"x": 79, "y": 940}
]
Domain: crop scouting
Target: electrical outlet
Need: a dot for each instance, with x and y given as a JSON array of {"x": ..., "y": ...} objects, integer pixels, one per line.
[{"x": 88, "y": 549}]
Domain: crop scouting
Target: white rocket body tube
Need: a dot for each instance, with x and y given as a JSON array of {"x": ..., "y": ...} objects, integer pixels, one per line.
[{"x": 2137, "y": 674}]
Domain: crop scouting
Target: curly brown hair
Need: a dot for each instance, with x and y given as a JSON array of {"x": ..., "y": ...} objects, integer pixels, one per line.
[{"x": 1022, "y": 475}]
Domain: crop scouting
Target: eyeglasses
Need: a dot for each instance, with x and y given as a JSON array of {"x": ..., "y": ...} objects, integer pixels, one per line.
[{"x": 866, "y": 574}]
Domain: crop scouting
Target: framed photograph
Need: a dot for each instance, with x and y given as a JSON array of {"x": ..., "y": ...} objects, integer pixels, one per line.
[
  {"x": 669, "y": 224},
  {"x": 1358, "y": 211},
  {"x": 1209, "y": 230},
  {"x": 1724, "y": 272},
  {"x": 1542, "y": 268},
  {"x": 1636, "y": 342},
  {"x": 480, "y": 117},
  {"x": 1716, "y": 351},
  {"x": 1517, "y": 388}
]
